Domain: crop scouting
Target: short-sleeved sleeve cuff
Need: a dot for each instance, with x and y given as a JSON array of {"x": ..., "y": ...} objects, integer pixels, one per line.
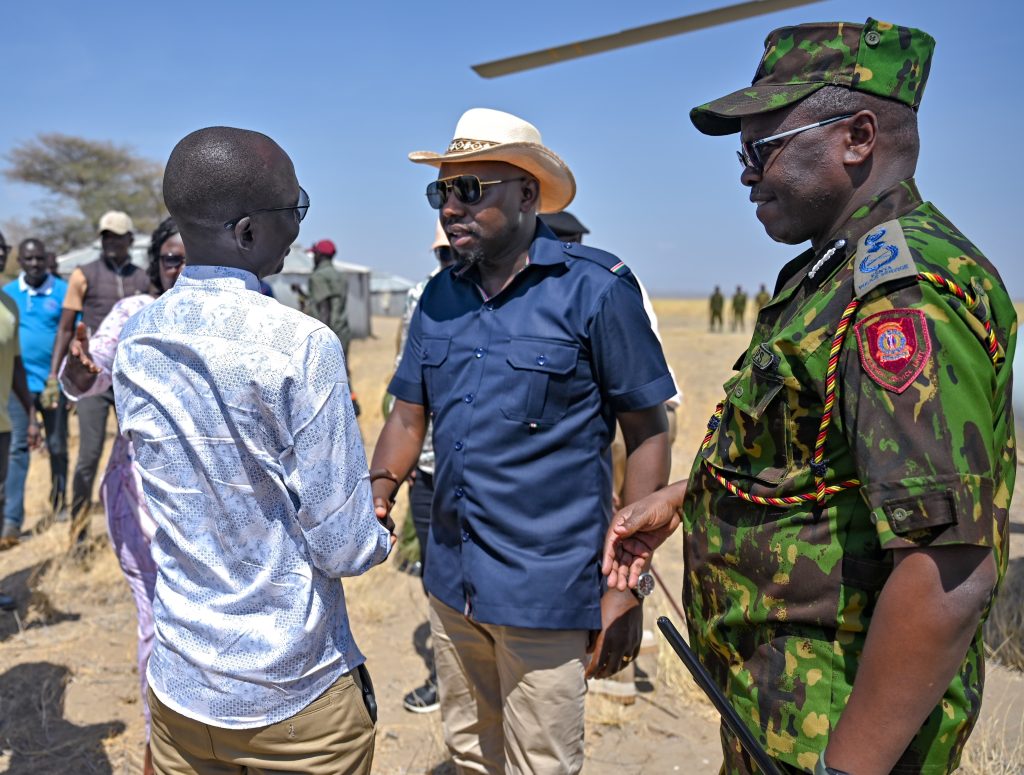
[
  {"x": 403, "y": 390},
  {"x": 653, "y": 393},
  {"x": 75, "y": 293},
  {"x": 936, "y": 511}
]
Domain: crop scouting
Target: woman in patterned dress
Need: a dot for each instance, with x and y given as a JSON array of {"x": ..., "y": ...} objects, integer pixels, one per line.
[{"x": 86, "y": 372}]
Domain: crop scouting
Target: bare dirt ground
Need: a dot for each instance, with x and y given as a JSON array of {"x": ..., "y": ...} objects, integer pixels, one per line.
[{"x": 69, "y": 697}]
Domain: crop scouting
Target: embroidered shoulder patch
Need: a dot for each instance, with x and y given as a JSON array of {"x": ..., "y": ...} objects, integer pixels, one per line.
[
  {"x": 882, "y": 256},
  {"x": 894, "y": 346}
]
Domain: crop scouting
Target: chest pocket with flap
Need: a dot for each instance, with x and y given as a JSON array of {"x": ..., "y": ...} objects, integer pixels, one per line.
[
  {"x": 753, "y": 438},
  {"x": 540, "y": 378},
  {"x": 434, "y": 352}
]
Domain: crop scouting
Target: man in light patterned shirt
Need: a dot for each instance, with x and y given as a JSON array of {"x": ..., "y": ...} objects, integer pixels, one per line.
[{"x": 253, "y": 468}]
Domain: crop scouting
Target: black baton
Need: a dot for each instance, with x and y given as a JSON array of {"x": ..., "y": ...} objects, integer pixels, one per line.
[{"x": 728, "y": 713}]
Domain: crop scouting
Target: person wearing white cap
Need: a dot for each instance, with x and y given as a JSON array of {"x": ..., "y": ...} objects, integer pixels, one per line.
[
  {"x": 523, "y": 354},
  {"x": 93, "y": 289}
]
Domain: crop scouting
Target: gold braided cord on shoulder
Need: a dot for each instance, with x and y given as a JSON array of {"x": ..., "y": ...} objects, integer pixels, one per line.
[
  {"x": 822, "y": 490},
  {"x": 991, "y": 344}
]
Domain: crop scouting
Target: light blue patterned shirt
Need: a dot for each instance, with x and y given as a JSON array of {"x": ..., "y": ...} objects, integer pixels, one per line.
[{"x": 252, "y": 465}]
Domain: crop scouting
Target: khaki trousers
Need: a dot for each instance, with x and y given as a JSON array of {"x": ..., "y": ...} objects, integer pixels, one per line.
[
  {"x": 333, "y": 735},
  {"x": 511, "y": 697}
]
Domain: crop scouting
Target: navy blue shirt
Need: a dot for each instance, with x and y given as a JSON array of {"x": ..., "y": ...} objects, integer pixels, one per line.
[{"x": 523, "y": 389}]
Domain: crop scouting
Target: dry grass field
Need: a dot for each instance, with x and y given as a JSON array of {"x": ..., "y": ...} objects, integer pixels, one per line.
[{"x": 69, "y": 690}]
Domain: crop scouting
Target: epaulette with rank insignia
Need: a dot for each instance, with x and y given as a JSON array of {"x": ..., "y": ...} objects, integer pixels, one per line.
[
  {"x": 882, "y": 257},
  {"x": 603, "y": 258}
]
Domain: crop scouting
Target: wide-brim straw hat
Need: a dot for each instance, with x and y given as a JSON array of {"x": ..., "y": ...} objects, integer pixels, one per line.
[
  {"x": 483, "y": 134},
  {"x": 440, "y": 238}
]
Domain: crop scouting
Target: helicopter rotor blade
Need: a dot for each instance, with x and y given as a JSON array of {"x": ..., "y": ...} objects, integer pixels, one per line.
[{"x": 633, "y": 36}]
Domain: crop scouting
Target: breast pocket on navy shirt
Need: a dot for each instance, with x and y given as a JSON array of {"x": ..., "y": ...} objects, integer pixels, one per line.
[
  {"x": 540, "y": 379},
  {"x": 434, "y": 354}
]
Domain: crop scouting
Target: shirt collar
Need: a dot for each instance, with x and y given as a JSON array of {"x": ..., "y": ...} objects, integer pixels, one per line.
[
  {"x": 217, "y": 276},
  {"x": 892, "y": 203},
  {"x": 545, "y": 250},
  {"x": 889, "y": 205},
  {"x": 43, "y": 290}
]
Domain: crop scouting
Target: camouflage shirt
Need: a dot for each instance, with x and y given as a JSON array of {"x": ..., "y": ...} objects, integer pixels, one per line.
[
  {"x": 779, "y": 601},
  {"x": 328, "y": 284}
]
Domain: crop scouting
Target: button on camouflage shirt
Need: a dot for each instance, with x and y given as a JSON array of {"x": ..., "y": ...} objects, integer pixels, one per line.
[{"x": 780, "y": 600}]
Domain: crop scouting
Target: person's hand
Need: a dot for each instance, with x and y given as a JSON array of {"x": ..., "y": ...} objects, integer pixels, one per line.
[
  {"x": 382, "y": 508},
  {"x": 33, "y": 435},
  {"x": 384, "y": 488},
  {"x": 636, "y": 531},
  {"x": 618, "y": 642},
  {"x": 50, "y": 397},
  {"x": 80, "y": 368}
]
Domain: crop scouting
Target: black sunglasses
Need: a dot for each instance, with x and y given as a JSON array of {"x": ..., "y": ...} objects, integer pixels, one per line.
[
  {"x": 300, "y": 209},
  {"x": 468, "y": 189},
  {"x": 171, "y": 260}
]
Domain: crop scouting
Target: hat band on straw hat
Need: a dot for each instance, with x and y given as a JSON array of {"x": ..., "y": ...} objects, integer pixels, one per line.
[{"x": 461, "y": 144}]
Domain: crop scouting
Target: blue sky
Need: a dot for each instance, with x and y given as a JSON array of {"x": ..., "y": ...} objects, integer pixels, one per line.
[{"x": 349, "y": 89}]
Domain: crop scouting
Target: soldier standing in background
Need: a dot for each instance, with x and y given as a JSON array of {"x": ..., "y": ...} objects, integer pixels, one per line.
[
  {"x": 327, "y": 300},
  {"x": 717, "y": 306},
  {"x": 840, "y": 563},
  {"x": 739, "y": 309},
  {"x": 762, "y": 298}
]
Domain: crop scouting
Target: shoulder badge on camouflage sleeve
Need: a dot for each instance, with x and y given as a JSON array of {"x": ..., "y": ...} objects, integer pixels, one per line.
[
  {"x": 894, "y": 346},
  {"x": 602, "y": 258},
  {"x": 882, "y": 256}
]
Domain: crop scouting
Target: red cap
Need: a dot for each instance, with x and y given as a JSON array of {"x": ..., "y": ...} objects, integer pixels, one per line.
[{"x": 325, "y": 248}]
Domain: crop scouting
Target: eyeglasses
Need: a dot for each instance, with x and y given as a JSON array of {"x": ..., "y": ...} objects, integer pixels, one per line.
[
  {"x": 300, "y": 209},
  {"x": 468, "y": 189},
  {"x": 172, "y": 260},
  {"x": 750, "y": 154}
]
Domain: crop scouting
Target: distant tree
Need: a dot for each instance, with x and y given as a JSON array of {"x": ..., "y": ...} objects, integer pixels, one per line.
[{"x": 85, "y": 178}]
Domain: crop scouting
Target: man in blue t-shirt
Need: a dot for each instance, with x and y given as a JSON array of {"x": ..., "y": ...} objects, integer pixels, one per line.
[{"x": 39, "y": 296}]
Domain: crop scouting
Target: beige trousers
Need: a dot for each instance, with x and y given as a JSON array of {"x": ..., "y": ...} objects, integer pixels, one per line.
[
  {"x": 332, "y": 735},
  {"x": 511, "y": 697}
]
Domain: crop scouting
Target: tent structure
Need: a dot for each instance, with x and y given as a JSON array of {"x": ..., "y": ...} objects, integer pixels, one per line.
[
  {"x": 388, "y": 293},
  {"x": 298, "y": 265}
]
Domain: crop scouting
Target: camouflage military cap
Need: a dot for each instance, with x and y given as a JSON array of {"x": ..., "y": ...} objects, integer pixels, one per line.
[{"x": 875, "y": 57}]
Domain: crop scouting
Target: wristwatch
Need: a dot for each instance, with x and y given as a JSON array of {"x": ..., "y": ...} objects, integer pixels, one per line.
[
  {"x": 823, "y": 769},
  {"x": 644, "y": 586}
]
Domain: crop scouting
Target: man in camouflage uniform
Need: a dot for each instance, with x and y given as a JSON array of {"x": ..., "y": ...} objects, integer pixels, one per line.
[
  {"x": 763, "y": 297},
  {"x": 717, "y": 305},
  {"x": 836, "y": 591},
  {"x": 739, "y": 309}
]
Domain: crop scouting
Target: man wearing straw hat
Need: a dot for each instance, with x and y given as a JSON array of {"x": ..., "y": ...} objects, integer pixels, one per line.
[
  {"x": 845, "y": 519},
  {"x": 524, "y": 354}
]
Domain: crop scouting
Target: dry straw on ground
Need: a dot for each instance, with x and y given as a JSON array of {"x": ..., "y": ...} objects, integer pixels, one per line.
[{"x": 1004, "y": 630}]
